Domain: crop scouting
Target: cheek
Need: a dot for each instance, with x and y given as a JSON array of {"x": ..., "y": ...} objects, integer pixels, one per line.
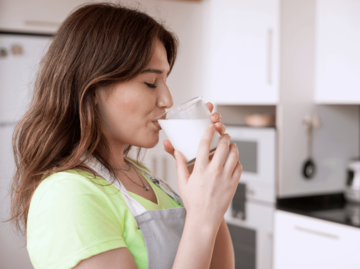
[
  {"x": 126, "y": 115},
  {"x": 128, "y": 104},
  {"x": 130, "y": 107}
]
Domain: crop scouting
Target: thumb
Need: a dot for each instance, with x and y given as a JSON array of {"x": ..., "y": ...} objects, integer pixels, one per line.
[{"x": 181, "y": 168}]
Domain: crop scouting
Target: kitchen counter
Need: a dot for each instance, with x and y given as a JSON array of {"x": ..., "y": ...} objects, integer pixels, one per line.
[{"x": 330, "y": 207}]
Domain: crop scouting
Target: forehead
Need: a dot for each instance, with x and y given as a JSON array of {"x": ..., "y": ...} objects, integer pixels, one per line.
[{"x": 159, "y": 58}]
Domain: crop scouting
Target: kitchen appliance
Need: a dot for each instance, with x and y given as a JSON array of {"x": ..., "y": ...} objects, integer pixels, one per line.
[
  {"x": 250, "y": 215},
  {"x": 352, "y": 190}
]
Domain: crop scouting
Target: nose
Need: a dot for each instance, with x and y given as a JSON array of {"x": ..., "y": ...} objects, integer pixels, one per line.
[{"x": 164, "y": 98}]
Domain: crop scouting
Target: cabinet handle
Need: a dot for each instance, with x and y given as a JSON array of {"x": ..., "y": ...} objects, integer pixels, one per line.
[
  {"x": 306, "y": 230},
  {"x": 269, "y": 56}
]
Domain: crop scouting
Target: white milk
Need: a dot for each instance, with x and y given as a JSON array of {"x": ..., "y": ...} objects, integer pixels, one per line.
[{"x": 185, "y": 135}]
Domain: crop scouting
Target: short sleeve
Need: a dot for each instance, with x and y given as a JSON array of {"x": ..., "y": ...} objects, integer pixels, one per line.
[{"x": 71, "y": 219}]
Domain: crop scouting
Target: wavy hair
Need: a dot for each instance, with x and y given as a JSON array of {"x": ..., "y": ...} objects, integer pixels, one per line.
[{"x": 97, "y": 46}]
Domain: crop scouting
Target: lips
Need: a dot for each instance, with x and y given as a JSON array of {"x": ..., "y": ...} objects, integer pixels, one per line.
[{"x": 157, "y": 124}]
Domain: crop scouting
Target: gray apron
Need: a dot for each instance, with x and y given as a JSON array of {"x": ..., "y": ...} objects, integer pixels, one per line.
[{"x": 161, "y": 229}]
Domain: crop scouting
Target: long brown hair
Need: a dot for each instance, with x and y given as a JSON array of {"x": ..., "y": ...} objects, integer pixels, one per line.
[{"x": 97, "y": 46}]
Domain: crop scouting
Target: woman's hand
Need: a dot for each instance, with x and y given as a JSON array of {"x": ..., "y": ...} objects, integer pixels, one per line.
[
  {"x": 208, "y": 191},
  {"x": 215, "y": 119}
]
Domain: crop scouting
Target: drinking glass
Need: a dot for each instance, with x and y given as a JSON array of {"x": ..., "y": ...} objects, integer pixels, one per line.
[{"x": 185, "y": 125}]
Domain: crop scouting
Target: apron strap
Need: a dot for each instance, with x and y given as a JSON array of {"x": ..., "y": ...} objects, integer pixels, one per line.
[
  {"x": 135, "y": 207},
  {"x": 163, "y": 185}
]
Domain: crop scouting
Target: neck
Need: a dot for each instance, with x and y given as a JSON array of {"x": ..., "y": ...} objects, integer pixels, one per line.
[{"x": 117, "y": 155}]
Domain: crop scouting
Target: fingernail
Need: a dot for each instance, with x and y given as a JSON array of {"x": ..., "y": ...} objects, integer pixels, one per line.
[{"x": 176, "y": 154}]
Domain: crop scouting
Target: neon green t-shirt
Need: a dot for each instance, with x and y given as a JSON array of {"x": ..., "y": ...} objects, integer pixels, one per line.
[{"x": 74, "y": 216}]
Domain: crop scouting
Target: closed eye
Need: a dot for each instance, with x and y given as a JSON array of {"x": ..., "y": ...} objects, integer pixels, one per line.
[{"x": 153, "y": 86}]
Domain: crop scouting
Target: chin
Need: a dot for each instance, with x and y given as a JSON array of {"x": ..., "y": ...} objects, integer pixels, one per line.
[{"x": 150, "y": 141}]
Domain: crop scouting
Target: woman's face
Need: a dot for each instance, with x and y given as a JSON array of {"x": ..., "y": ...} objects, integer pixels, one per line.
[{"x": 128, "y": 111}]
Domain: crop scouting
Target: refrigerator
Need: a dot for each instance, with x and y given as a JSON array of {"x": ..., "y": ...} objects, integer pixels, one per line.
[{"x": 20, "y": 55}]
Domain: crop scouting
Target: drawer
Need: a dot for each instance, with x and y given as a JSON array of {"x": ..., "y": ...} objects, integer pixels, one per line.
[{"x": 305, "y": 242}]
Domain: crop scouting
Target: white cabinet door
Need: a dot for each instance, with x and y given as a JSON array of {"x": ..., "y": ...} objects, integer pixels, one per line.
[
  {"x": 244, "y": 51},
  {"x": 18, "y": 73},
  {"x": 338, "y": 51},
  {"x": 303, "y": 242}
]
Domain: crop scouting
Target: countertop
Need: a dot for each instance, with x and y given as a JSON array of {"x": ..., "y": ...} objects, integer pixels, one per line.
[{"x": 331, "y": 207}]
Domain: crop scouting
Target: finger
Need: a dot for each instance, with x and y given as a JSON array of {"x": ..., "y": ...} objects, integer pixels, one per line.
[
  {"x": 169, "y": 147},
  {"x": 181, "y": 168},
  {"x": 210, "y": 106},
  {"x": 202, "y": 156},
  {"x": 237, "y": 172},
  {"x": 221, "y": 151},
  {"x": 232, "y": 160},
  {"x": 220, "y": 128},
  {"x": 215, "y": 117}
]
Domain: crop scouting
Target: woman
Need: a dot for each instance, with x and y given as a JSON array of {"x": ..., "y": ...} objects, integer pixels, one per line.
[{"x": 101, "y": 86}]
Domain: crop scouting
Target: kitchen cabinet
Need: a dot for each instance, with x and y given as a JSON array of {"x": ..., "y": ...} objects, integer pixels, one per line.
[
  {"x": 244, "y": 51},
  {"x": 305, "y": 242},
  {"x": 37, "y": 16},
  {"x": 337, "y": 52}
]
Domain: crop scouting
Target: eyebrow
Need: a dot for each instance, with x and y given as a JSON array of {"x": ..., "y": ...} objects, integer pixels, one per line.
[{"x": 152, "y": 70}]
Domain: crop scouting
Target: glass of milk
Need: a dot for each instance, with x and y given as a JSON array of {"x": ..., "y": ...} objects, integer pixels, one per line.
[{"x": 185, "y": 125}]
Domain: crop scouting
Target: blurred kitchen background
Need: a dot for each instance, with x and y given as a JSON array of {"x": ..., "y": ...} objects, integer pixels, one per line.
[{"x": 284, "y": 74}]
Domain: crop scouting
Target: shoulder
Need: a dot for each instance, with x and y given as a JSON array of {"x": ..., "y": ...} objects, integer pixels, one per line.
[
  {"x": 69, "y": 179},
  {"x": 62, "y": 186},
  {"x": 75, "y": 197},
  {"x": 68, "y": 183},
  {"x": 77, "y": 214}
]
